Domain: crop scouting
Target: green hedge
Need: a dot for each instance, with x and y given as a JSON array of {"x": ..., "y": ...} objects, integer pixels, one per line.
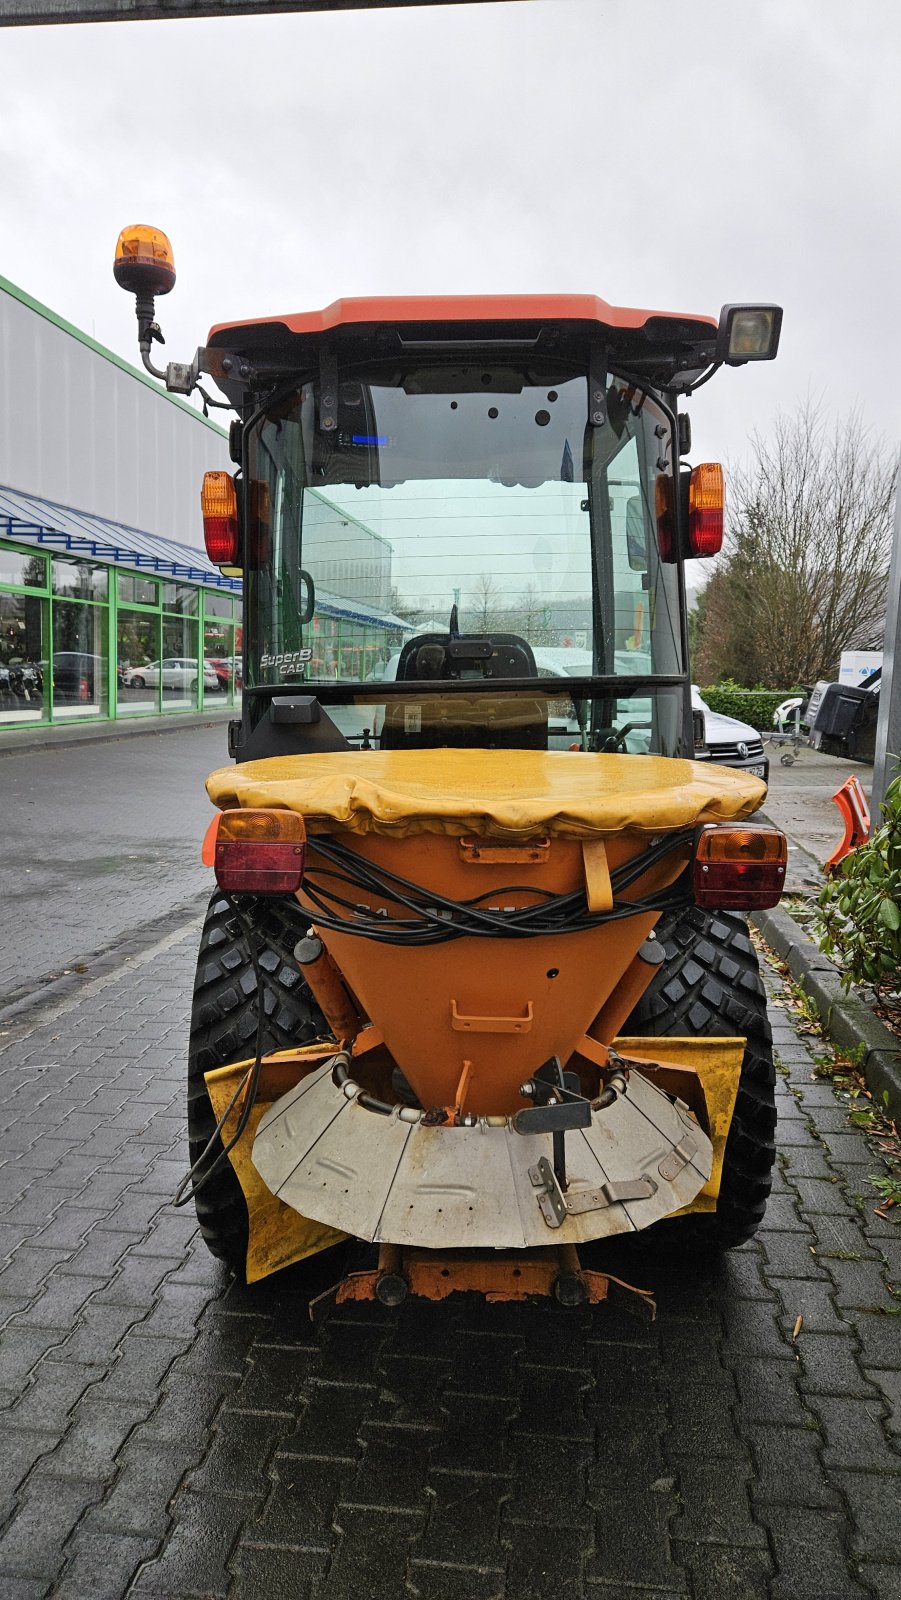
[{"x": 755, "y": 706}]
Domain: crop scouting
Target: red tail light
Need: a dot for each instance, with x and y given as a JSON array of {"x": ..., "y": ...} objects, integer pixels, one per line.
[
  {"x": 219, "y": 504},
  {"x": 706, "y": 501},
  {"x": 260, "y": 852},
  {"x": 739, "y": 869}
]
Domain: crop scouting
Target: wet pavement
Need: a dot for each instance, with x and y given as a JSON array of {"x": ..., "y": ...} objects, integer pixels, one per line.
[
  {"x": 800, "y": 802},
  {"x": 169, "y": 1433},
  {"x": 99, "y": 839}
]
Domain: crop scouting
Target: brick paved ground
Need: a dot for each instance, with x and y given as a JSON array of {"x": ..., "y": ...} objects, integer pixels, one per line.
[{"x": 170, "y": 1434}]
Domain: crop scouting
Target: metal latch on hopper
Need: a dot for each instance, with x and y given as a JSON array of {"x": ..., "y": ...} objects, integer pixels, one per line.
[
  {"x": 557, "y": 1206},
  {"x": 679, "y": 1157}
]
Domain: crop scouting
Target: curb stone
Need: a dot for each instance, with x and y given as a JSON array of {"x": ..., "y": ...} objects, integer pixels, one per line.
[
  {"x": 848, "y": 1020},
  {"x": 41, "y": 736}
]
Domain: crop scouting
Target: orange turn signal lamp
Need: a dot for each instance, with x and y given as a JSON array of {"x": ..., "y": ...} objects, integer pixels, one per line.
[
  {"x": 257, "y": 852},
  {"x": 144, "y": 262},
  {"x": 739, "y": 868},
  {"x": 219, "y": 505},
  {"x": 706, "y": 503}
]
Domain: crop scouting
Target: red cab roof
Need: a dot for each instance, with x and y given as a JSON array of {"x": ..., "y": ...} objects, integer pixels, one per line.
[{"x": 461, "y": 308}]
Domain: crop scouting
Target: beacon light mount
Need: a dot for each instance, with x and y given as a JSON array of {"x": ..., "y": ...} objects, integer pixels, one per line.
[{"x": 144, "y": 265}]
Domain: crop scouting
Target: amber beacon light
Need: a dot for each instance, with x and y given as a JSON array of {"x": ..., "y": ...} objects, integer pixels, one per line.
[
  {"x": 739, "y": 869},
  {"x": 144, "y": 262}
]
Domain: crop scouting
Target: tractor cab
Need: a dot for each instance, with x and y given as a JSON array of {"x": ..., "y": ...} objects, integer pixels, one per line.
[{"x": 462, "y": 523}]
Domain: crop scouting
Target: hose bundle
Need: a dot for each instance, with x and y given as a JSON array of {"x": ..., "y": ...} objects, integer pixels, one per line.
[{"x": 424, "y": 917}]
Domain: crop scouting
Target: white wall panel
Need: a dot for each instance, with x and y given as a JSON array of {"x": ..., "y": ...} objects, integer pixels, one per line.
[{"x": 77, "y": 428}]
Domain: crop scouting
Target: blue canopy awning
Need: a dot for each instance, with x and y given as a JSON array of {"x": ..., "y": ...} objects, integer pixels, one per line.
[{"x": 31, "y": 520}]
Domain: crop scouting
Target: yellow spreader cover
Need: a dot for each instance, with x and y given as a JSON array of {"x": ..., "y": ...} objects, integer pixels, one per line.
[{"x": 491, "y": 793}]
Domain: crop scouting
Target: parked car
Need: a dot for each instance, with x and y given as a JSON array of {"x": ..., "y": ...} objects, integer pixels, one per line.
[
  {"x": 224, "y": 666},
  {"x": 729, "y": 742},
  {"x": 78, "y": 677},
  {"x": 175, "y": 672}
]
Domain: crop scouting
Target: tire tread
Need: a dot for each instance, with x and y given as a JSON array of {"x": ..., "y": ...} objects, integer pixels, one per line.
[
  {"x": 223, "y": 1030},
  {"x": 710, "y": 984}
]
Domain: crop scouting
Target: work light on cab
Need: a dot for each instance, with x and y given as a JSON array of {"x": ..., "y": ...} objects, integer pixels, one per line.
[
  {"x": 706, "y": 502},
  {"x": 219, "y": 504},
  {"x": 748, "y": 333},
  {"x": 260, "y": 852},
  {"x": 739, "y": 869}
]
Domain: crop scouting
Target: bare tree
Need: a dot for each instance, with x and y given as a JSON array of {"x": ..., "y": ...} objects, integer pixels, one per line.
[
  {"x": 805, "y": 565},
  {"x": 485, "y": 604},
  {"x": 530, "y": 616}
]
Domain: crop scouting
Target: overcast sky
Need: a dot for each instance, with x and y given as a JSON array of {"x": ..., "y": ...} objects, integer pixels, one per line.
[{"x": 659, "y": 155}]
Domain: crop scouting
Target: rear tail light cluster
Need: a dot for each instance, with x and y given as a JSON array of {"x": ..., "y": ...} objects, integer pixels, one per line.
[
  {"x": 739, "y": 869},
  {"x": 219, "y": 505},
  {"x": 703, "y": 498},
  {"x": 257, "y": 852},
  {"x": 706, "y": 502}
]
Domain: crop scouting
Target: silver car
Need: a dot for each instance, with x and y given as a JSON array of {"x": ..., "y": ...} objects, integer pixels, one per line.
[{"x": 175, "y": 672}]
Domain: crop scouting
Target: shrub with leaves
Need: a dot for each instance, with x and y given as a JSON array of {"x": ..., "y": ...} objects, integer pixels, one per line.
[
  {"x": 755, "y": 706},
  {"x": 859, "y": 910}
]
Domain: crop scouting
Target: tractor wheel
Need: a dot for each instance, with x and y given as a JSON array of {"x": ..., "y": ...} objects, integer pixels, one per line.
[
  {"x": 710, "y": 984},
  {"x": 224, "y": 1029}
]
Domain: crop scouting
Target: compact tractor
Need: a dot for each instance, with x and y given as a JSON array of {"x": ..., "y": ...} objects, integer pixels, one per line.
[{"x": 475, "y": 985}]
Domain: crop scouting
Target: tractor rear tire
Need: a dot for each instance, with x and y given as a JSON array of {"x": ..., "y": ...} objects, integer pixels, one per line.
[
  {"x": 710, "y": 984},
  {"x": 224, "y": 1030}
]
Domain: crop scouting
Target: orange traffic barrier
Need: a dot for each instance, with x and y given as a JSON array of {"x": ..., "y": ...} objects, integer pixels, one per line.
[{"x": 852, "y": 803}]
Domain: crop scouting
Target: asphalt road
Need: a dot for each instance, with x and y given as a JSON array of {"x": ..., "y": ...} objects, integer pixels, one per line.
[{"x": 99, "y": 839}]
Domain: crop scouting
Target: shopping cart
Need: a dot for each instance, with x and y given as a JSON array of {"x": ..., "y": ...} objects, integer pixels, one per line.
[{"x": 789, "y": 729}]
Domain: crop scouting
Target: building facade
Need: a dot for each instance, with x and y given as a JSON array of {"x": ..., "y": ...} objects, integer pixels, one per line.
[{"x": 109, "y": 607}]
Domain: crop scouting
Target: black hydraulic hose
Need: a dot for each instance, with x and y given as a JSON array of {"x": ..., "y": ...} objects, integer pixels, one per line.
[
  {"x": 370, "y": 1103},
  {"x": 341, "y": 1076},
  {"x": 439, "y": 931},
  {"x": 341, "y": 1069},
  {"x": 362, "y": 873},
  {"x": 439, "y": 919}
]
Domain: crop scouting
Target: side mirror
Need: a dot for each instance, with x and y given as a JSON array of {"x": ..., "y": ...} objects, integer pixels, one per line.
[
  {"x": 308, "y": 606},
  {"x": 636, "y": 535}
]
